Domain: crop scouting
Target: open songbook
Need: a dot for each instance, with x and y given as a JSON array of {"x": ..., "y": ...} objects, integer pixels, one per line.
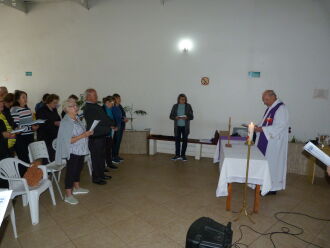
[
  {"x": 317, "y": 153},
  {"x": 36, "y": 122},
  {"x": 19, "y": 130}
]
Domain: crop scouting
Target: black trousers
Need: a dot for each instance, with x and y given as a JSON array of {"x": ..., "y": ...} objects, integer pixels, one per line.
[
  {"x": 97, "y": 149},
  {"x": 108, "y": 150},
  {"x": 51, "y": 151},
  {"x": 73, "y": 169},
  {"x": 116, "y": 142},
  {"x": 4, "y": 183},
  {"x": 181, "y": 132},
  {"x": 22, "y": 152}
]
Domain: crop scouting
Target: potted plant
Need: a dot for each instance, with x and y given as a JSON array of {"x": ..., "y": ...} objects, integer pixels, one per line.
[{"x": 131, "y": 111}]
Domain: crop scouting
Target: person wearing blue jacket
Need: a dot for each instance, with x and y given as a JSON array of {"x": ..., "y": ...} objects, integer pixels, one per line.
[
  {"x": 120, "y": 119},
  {"x": 108, "y": 103}
]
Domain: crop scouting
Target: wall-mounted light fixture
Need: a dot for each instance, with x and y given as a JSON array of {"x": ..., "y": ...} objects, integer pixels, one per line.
[{"x": 185, "y": 45}]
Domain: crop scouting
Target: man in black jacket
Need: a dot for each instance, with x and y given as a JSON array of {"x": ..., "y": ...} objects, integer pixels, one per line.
[{"x": 96, "y": 143}]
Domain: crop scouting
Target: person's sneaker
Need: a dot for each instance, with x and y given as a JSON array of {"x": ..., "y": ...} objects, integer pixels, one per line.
[
  {"x": 120, "y": 159},
  {"x": 184, "y": 158},
  {"x": 80, "y": 191},
  {"x": 176, "y": 157},
  {"x": 71, "y": 200},
  {"x": 116, "y": 161}
]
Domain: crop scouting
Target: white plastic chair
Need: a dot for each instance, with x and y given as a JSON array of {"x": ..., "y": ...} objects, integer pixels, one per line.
[
  {"x": 88, "y": 159},
  {"x": 10, "y": 212},
  {"x": 30, "y": 195},
  {"x": 38, "y": 150}
]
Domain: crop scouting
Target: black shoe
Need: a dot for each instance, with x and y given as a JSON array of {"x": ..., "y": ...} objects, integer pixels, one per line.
[
  {"x": 184, "y": 158},
  {"x": 271, "y": 193},
  {"x": 106, "y": 169},
  {"x": 113, "y": 166},
  {"x": 176, "y": 157},
  {"x": 120, "y": 159},
  {"x": 107, "y": 177},
  {"x": 100, "y": 182}
]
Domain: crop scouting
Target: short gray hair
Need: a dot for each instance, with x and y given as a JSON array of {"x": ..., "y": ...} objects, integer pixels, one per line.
[
  {"x": 67, "y": 104},
  {"x": 88, "y": 91},
  {"x": 270, "y": 93}
]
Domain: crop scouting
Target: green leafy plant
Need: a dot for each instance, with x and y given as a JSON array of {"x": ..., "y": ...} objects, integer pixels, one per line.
[
  {"x": 81, "y": 102},
  {"x": 131, "y": 111}
]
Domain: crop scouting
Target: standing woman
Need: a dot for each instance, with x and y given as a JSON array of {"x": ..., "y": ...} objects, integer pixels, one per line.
[
  {"x": 71, "y": 97},
  {"x": 22, "y": 116},
  {"x": 72, "y": 145},
  {"x": 182, "y": 114},
  {"x": 48, "y": 131}
]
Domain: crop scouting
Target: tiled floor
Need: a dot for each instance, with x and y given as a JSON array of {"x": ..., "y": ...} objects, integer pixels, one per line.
[{"x": 152, "y": 201}]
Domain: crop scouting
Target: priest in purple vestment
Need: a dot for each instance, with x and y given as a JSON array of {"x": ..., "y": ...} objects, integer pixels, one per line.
[{"x": 272, "y": 138}]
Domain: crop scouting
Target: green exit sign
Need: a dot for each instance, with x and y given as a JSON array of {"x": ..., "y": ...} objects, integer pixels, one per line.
[
  {"x": 28, "y": 73},
  {"x": 254, "y": 74}
]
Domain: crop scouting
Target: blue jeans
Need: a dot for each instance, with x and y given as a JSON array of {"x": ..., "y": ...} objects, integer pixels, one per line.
[{"x": 181, "y": 132}]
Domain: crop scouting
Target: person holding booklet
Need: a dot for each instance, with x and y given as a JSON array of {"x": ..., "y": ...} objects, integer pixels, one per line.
[
  {"x": 97, "y": 142},
  {"x": 72, "y": 145},
  {"x": 319, "y": 154},
  {"x": 48, "y": 131},
  {"x": 181, "y": 114},
  {"x": 22, "y": 116},
  {"x": 108, "y": 104}
]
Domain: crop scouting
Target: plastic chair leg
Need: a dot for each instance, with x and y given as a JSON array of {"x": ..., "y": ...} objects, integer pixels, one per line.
[
  {"x": 57, "y": 185},
  {"x": 59, "y": 176},
  {"x": 25, "y": 200},
  {"x": 34, "y": 207},
  {"x": 89, "y": 164},
  {"x": 13, "y": 221},
  {"x": 51, "y": 191}
]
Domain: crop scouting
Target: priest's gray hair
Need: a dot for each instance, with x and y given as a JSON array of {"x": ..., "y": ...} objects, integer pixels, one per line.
[
  {"x": 88, "y": 91},
  {"x": 270, "y": 93}
]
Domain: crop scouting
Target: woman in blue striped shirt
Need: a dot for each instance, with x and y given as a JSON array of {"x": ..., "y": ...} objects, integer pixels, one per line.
[{"x": 22, "y": 115}]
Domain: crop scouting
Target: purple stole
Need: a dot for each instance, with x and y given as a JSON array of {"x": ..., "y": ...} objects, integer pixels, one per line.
[{"x": 263, "y": 142}]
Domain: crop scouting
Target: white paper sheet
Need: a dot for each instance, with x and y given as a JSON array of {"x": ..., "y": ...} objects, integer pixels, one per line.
[
  {"x": 95, "y": 122},
  {"x": 4, "y": 200},
  {"x": 36, "y": 122},
  {"x": 19, "y": 130},
  {"x": 317, "y": 153}
]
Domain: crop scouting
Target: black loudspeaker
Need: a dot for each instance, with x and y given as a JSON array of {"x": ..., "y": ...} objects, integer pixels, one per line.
[{"x": 207, "y": 233}]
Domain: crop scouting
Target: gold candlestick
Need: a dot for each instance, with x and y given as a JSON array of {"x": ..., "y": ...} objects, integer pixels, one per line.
[
  {"x": 244, "y": 209},
  {"x": 229, "y": 128}
]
